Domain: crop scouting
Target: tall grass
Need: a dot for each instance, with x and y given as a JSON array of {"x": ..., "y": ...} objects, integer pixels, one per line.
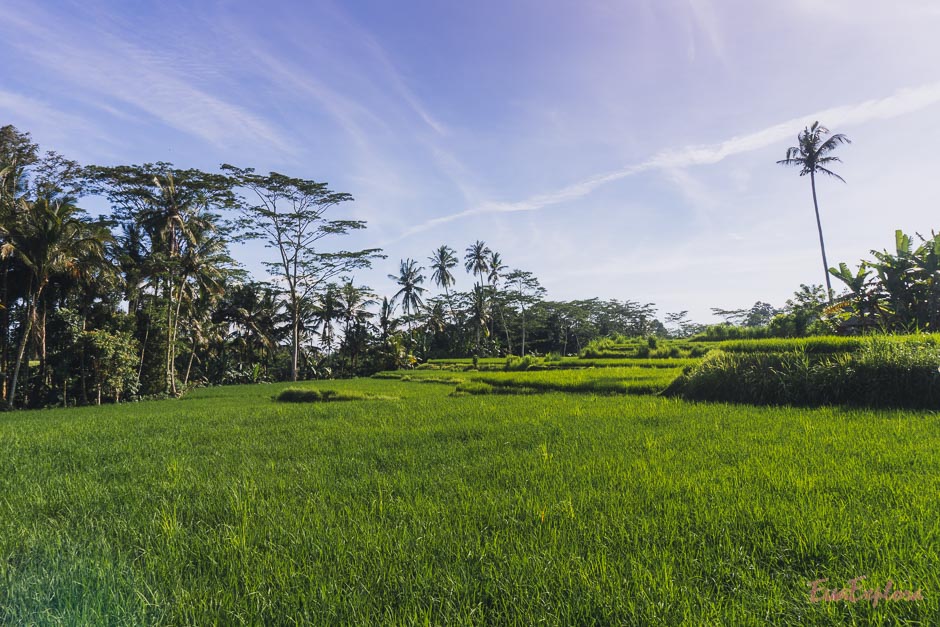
[
  {"x": 229, "y": 508},
  {"x": 882, "y": 372}
]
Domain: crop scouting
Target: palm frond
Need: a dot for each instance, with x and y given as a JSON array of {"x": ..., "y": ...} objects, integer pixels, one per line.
[{"x": 829, "y": 173}]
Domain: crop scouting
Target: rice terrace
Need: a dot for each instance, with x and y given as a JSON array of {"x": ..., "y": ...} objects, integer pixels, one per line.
[{"x": 509, "y": 374}]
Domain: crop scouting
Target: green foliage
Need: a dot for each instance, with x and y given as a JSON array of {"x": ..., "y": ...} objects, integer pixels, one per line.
[
  {"x": 514, "y": 362},
  {"x": 321, "y": 395},
  {"x": 814, "y": 345},
  {"x": 878, "y": 372},
  {"x": 897, "y": 291},
  {"x": 720, "y": 332},
  {"x": 112, "y": 360}
]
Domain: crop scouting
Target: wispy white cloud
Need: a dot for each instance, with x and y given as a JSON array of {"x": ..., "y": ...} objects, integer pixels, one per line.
[
  {"x": 902, "y": 102},
  {"x": 122, "y": 72},
  {"x": 45, "y": 120},
  {"x": 387, "y": 68}
]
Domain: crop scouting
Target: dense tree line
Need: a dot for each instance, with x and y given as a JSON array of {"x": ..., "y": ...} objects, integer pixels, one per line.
[{"x": 147, "y": 300}]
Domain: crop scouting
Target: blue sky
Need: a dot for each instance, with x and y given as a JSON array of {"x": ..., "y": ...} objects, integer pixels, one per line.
[{"x": 616, "y": 149}]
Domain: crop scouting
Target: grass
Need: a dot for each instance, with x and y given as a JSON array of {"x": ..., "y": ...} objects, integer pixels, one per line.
[
  {"x": 610, "y": 380},
  {"x": 565, "y": 363},
  {"x": 878, "y": 372},
  {"x": 319, "y": 395},
  {"x": 227, "y": 507}
]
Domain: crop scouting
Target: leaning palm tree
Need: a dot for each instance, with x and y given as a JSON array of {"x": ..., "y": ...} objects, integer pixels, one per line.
[
  {"x": 812, "y": 155},
  {"x": 50, "y": 237},
  {"x": 409, "y": 279}
]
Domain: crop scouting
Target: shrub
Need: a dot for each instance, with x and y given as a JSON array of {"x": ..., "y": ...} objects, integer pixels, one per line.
[
  {"x": 304, "y": 395},
  {"x": 883, "y": 372}
]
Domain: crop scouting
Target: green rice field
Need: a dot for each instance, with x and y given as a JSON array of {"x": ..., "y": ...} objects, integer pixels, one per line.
[{"x": 578, "y": 498}]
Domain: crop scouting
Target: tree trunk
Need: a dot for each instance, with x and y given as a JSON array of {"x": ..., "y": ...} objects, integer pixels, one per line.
[
  {"x": 476, "y": 346},
  {"x": 502, "y": 317},
  {"x": 822, "y": 244},
  {"x": 41, "y": 322},
  {"x": 190, "y": 365},
  {"x": 5, "y": 329},
  {"x": 30, "y": 312},
  {"x": 168, "y": 297},
  {"x": 523, "y": 331},
  {"x": 83, "y": 369},
  {"x": 295, "y": 340},
  {"x": 143, "y": 351},
  {"x": 176, "y": 324}
]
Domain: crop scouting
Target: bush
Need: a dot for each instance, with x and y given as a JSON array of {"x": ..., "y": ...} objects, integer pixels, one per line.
[
  {"x": 883, "y": 372},
  {"x": 304, "y": 395}
]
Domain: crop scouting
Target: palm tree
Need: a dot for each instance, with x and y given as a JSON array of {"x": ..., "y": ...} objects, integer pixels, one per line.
[
  {"x": 254, "y": 310},
  {"x": 443, "y": 259},
  {"x": 409, "y": 280},
  {"x": 812, "y": 155},
  {"x": 387, "y": 321},
  {"x": 50, "y": 237},
  {"x": 496, "y": 270},
  {"x": 479, "y": 316},
  {"x": 476, "y": 259},
  {"x": 328, "y": 310},
  {"x": 203, "y": 265},
  {"x": 355, "y": 301}
]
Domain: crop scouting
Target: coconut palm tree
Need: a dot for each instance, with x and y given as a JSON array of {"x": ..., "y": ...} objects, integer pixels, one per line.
[
  {"x": 479, "y": 317},
  {"x": 477, "y": 259},
  {"x": 49, "y": 237},
  {"x": 495, "y": 273},
  {"x": 443, "y": 259},
  {"x": 812, "y": 155},
  {"x": 203, "y": 267},
  {"x": 329, "y": 309},
  {"x": 355, "y": 302},
  {"x": 409, "y": 280},
  {"x": 388, "y": 324}
]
